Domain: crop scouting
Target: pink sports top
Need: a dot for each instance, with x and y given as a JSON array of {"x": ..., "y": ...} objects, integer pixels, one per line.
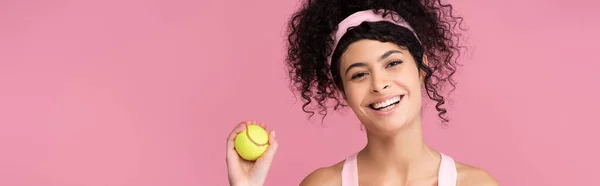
[{"x": 446, "y": 176}]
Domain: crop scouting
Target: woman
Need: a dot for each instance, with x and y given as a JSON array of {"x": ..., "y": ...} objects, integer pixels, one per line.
[{"x": 378, "y": 57}]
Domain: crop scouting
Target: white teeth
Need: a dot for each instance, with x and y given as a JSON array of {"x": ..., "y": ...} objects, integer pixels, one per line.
[
  {"x": 386, "y": 103},
  {"x": 386, "y": 109}
]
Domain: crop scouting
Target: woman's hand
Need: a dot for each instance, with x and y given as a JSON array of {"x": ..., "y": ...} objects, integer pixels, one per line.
[{"x": 249, "y": 173}]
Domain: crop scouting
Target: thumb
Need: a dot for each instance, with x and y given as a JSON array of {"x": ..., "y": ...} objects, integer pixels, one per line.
[{"x": 263, "y": 164}]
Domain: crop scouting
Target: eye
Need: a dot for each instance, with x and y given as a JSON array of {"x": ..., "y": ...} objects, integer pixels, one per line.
[
  {"x": 394, "y": 63},
  {"x": 358, "y": 75}
]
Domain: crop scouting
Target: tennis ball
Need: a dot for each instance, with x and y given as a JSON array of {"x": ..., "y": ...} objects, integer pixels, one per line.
[{"x": 251, "y": 143}]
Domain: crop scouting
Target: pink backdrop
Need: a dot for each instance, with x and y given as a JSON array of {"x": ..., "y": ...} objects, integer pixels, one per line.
[{"x": 134, "y": 93}]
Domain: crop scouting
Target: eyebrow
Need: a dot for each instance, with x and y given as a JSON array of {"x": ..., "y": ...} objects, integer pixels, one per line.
[
  {"x": 388, "y": 53},
  {"x": 361, "y": 64}
]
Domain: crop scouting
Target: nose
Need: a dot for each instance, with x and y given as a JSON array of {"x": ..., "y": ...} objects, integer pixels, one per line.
[{"x": 379, "y": 85}]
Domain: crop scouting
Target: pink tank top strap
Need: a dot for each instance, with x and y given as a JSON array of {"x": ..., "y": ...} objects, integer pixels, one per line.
[
  {"x": 350, "y": 171},
  {"x": 447, "y": 174}
]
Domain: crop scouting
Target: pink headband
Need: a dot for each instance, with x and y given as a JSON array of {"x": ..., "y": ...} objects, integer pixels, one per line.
[{"x": 360, "y": 17}]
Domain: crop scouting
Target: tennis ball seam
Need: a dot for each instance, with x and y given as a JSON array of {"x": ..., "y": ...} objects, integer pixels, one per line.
[{"x": 251, "y": 140}]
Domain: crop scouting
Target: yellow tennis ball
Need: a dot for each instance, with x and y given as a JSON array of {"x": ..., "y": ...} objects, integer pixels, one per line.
[{"x": 251, "y": 143}]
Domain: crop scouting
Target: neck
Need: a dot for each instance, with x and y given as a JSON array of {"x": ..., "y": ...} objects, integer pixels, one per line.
[{"x": 401, "y": 151}]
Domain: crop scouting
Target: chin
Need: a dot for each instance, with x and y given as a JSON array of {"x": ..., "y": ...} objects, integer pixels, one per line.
[{"x": 389, "y": 124}]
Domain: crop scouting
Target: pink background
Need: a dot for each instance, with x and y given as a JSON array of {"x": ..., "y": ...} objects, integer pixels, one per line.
[{"x": 137, "y": 92}]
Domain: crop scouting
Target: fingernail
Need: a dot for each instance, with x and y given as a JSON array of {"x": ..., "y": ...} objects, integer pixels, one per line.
[{"x": 273, "y": 134}]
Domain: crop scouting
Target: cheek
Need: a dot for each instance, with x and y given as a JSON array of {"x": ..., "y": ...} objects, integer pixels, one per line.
[
  {"x": 415, "y": 88},
  {"x": 354, "y": 95},
  {"x": 415, "y": 83},
  {"x": 412, "y": 78}
]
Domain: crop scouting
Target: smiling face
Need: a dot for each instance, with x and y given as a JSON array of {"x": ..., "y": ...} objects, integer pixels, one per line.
[{"x": 381, "y": 84}]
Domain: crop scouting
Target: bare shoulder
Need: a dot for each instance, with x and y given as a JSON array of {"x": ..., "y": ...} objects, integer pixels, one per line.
[
  {"x": 469, "y": 175},
  {"x": 325, "y": 176}
]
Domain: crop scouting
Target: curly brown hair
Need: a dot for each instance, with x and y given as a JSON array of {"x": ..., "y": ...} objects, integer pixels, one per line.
[{"x": 310, "y": 43}]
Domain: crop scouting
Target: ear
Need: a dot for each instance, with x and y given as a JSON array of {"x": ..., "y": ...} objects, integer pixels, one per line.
[{"x": 422, "y": 74}]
